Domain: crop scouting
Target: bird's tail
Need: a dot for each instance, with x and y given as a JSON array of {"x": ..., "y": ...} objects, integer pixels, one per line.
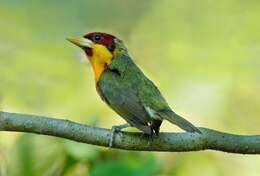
[{"x": 179, "y": 121}]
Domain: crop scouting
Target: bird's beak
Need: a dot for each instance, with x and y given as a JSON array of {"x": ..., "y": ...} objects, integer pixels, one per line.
[{"x": 81, "y": 42}]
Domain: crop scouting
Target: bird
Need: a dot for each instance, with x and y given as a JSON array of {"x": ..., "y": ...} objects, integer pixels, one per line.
[{"x": 123, "y": 86}]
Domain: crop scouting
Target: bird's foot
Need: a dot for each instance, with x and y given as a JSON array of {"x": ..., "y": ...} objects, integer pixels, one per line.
[
  {"x": 115, "y": 129},
  {"x": 150, "y": 136}
]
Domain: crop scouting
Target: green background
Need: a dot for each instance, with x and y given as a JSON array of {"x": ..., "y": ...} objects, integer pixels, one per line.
[{"x": 203, "y": 55}]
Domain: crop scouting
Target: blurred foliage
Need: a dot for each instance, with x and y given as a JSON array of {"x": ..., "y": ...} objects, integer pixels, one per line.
[{"x": 204, "y": 56}]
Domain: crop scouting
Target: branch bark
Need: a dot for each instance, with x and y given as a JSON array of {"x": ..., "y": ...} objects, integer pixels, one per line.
[{"x": 172, "y": 142}]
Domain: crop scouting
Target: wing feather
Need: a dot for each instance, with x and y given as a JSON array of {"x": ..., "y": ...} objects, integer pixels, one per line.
[{"x": 123, "y": 99}]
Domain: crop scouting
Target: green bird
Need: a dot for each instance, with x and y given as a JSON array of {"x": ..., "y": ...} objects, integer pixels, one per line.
[{"x": 124, "y": 87}]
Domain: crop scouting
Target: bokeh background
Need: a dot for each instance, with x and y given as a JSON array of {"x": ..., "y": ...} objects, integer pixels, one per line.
[{"x": 203, "y": 55}]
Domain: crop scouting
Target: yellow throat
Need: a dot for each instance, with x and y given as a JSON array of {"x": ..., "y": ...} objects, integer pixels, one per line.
[{"x": 101, "y": 57}]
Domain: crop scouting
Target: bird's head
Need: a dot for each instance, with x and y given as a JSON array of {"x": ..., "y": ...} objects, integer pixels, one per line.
[{"x": 100, "y": 48}]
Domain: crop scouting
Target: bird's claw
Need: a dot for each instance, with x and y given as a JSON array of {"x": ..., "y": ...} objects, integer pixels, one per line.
[{"x": 115, "y": 129}]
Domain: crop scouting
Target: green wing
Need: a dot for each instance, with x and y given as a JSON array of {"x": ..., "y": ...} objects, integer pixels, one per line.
[
  {"x": 128, "y": 92},
  {"x": 123, "y": 99},
  {"x": 128, "y": 83}
]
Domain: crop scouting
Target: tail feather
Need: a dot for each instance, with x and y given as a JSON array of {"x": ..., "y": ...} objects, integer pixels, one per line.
[{"x": 179, "y": 121}]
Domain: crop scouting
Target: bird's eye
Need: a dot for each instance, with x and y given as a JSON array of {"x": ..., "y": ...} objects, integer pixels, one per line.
[{"x": 97, "y": 37}]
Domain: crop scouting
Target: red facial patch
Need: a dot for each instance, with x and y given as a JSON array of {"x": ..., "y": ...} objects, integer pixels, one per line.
[{"x": 102, "y": 38}]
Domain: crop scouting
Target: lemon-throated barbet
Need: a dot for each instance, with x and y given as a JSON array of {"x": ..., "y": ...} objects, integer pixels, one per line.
[{"x": 124, "y": 87}]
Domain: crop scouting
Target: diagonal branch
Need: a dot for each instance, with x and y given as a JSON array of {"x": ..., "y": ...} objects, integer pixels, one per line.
[{"x": 172, "y": 142}]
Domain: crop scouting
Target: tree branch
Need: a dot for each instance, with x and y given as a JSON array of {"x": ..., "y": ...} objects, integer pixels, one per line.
[{"x": 173, "y": 142}]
